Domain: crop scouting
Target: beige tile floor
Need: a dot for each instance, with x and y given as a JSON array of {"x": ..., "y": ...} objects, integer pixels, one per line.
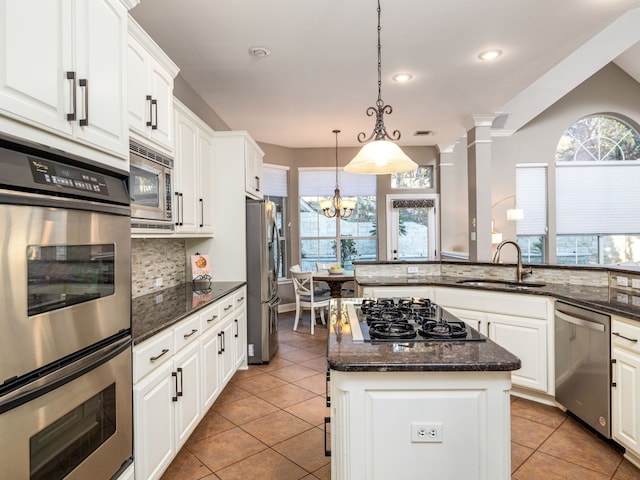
[{"x": 268, "y": 424}]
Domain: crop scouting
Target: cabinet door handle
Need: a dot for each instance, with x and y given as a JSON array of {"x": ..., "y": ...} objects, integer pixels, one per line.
[
  {"x": 327, "y": 421},
  {"x": 175, "y": 379},
  {"x": 634, "y": 340},
  {"x": 209, "y": 320},
  {"x": 84, "y": 83},
  {"x": 72, "y": 116},
  {"x": 187, "y": 335},
  {"x": 154, "y": 104},
  {"x": 180, "y": 392},
  {"x": 181, "y": 209},
  {"x": 257, "y": 183},
  {"x": 201, "y": 213},
  {"x": 237, "y": 334},
  {"x": 328, "y": 389},
  {"x": 149, "y": 122},
  {"x": 177, "y": 195},
  {"x": 224, "y": 342},
  {"x": 164, "y": 352}
]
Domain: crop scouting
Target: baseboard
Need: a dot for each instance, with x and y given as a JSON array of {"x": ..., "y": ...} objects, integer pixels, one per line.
[{"x": 286, "y": 307}]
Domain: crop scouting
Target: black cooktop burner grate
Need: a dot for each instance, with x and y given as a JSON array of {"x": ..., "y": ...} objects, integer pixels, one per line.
[{"x": 416, "y": 319}]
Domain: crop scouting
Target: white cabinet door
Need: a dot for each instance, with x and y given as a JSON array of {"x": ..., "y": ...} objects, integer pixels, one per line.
[
  {"x": 226, "y": 350},
  {"x": 211, "y": 370},
  {"x": 101, "y": 33},
  {"x": 527, "y": 339},
  {"x": 187, "y": 401},
  {"x": 205, "y": 179},
  {"x": 154, "y": 423},
  {"x": 185, "y": 174},
  {"x": 477, "y": 320},
  {"x": 625, "y": 399},
  {"x": 240, "y": 337},
  {"x": 36, "y": 46},
  {"x": 150, "y": 96},
  {"x": 193, "y": 173},
  {"x": 63, "y": 70},
  {"x": 253, "y": 169}
]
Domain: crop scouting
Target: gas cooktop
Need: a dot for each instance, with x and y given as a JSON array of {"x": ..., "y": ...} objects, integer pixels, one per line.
[{"x": 410, "y": 319}]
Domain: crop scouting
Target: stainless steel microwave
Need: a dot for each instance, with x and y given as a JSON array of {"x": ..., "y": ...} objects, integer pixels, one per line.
[{"x": 150, "y": 188}]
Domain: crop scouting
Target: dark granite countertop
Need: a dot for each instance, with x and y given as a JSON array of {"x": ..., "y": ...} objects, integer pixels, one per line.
[
  {"x": 157, "y": 311},
  {"x": 600, "y": 298},
  {"x": 450, "y": 356}
]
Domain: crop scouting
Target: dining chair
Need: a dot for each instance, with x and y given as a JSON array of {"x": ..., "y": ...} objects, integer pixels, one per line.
[{"x": 307, "y": 298}]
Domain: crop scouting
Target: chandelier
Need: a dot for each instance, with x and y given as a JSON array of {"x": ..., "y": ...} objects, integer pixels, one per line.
[
  {"x": 381, "y": 156},
  {"x": 342, "y": 207}
]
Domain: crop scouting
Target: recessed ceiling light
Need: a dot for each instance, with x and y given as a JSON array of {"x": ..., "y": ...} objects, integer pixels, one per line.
[
  {"x": 259, "y": 52},
  {"x": 489, "y": 54},
  {"x": 402, "y": 77}
]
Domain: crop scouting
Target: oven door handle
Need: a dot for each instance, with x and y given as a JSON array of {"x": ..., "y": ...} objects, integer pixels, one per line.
[{"x": 63, "y": 375}]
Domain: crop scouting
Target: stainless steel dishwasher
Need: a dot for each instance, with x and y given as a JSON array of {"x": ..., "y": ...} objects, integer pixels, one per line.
[{"x": 583, "y": 375}]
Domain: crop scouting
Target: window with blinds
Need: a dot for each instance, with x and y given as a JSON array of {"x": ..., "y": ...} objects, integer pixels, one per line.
[{"x": 531, "y": 197}]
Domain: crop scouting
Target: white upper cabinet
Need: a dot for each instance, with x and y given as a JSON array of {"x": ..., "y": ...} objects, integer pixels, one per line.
[
  {"x": 238, "y": 148},
  {"x": 150, "y": 77},
  {"x": 193, "y": 178},
  {"x": 62, "y": 71}
]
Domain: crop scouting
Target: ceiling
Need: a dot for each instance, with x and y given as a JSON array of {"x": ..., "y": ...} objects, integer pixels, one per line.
[{"x": 322, "y": 71}]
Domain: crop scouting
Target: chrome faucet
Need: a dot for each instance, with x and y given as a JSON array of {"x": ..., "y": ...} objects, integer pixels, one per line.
[{"x": 521, "y": 273}]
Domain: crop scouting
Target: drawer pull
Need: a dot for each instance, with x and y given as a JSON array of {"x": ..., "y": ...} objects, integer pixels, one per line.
[
  {"x": 240, "y": 299},
  {"x": 634, "y": 340},
  {"x": 209, "y": 320},
  {"x": 187, "y": 335},
  {"x": 164, "y": 352},
  {"x": 228, "y": 307}
]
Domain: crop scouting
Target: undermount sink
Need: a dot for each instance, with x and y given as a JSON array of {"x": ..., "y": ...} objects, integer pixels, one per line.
[{"x": 500, "y": 283}]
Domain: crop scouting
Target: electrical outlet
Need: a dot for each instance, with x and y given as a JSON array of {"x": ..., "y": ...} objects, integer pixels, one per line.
[
  {"x": 635, "y": 301},
  {"x": 426, "y": 433},
  {"x": 158, "y": 282},
  {"x": 635, "y": 282},
  {"x": 412, "y": 269},
  {"x": 622, "y": 281},
  {"x": 159, "y": 298}
]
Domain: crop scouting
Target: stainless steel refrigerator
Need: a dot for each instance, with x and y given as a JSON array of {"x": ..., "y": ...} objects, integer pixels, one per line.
[{"x": 263, "y": 264}]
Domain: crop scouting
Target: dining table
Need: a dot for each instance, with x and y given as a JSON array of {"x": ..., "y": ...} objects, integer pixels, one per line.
[{"x": 334, "y": 280}]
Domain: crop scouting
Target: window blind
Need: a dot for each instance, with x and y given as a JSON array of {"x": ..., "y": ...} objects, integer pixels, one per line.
[
  {"x": 322, "y": 182},
  {"x": 531, "y": 197},
  {"x": 274, "y": 180},
  {"x": 598, "y": 199}
]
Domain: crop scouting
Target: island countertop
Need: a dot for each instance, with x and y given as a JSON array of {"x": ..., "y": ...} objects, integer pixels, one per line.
[{"x": 343, "y": 354}]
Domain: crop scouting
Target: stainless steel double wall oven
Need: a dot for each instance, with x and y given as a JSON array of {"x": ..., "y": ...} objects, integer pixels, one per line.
[{"x": 65, "y": 328}]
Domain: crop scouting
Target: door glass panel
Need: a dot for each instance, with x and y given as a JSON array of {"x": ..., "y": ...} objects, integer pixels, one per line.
[
  {"x": 64, "y": 275},
  {"x": 60, "y": 447},
  {"x": 412, "y": 231}
]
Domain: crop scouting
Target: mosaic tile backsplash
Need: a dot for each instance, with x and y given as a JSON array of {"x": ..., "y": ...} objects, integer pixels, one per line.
[{"x": 157, "y": 258}]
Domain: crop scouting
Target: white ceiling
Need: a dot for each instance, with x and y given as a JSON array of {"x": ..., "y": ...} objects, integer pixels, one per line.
[{"x": 322, "y": 72}]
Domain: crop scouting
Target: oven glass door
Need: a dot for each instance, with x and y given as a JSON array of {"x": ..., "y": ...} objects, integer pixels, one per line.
[
  {"x": 75, "y": 423},
  {"x": 63, "y": 275}
]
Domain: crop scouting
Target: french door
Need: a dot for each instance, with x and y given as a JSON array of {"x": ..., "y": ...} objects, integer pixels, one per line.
[{"x": 412, "y": 227}]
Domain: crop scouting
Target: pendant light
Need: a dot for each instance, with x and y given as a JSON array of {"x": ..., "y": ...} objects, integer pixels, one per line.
[
  {"x": 381, "y": 156},
  {"x": 342, "y": 207}
]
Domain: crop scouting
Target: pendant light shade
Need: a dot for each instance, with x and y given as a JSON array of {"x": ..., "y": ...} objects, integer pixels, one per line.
[{"x": 380, "y": 156}]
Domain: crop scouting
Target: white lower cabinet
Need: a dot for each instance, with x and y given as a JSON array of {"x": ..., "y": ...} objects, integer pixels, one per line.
[
  {"x": 376, "y": 417},
  {"x": 523, "y": 324},
  {"x": 625, "y": 390},
  {"x": 178, "y": 374}
]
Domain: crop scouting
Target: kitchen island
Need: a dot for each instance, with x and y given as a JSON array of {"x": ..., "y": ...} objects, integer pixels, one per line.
[{"x": 417, "y": 409}]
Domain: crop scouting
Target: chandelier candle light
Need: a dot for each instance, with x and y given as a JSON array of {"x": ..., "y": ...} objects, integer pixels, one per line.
[
  {"x": 381, "y": 156},
  {"x": 342, "y": 207}
]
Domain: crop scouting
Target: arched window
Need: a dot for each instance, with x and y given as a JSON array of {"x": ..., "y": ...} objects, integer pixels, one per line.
[
  {"x": 597, "y": 194},
  {"x": 598, "y": 138}
]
